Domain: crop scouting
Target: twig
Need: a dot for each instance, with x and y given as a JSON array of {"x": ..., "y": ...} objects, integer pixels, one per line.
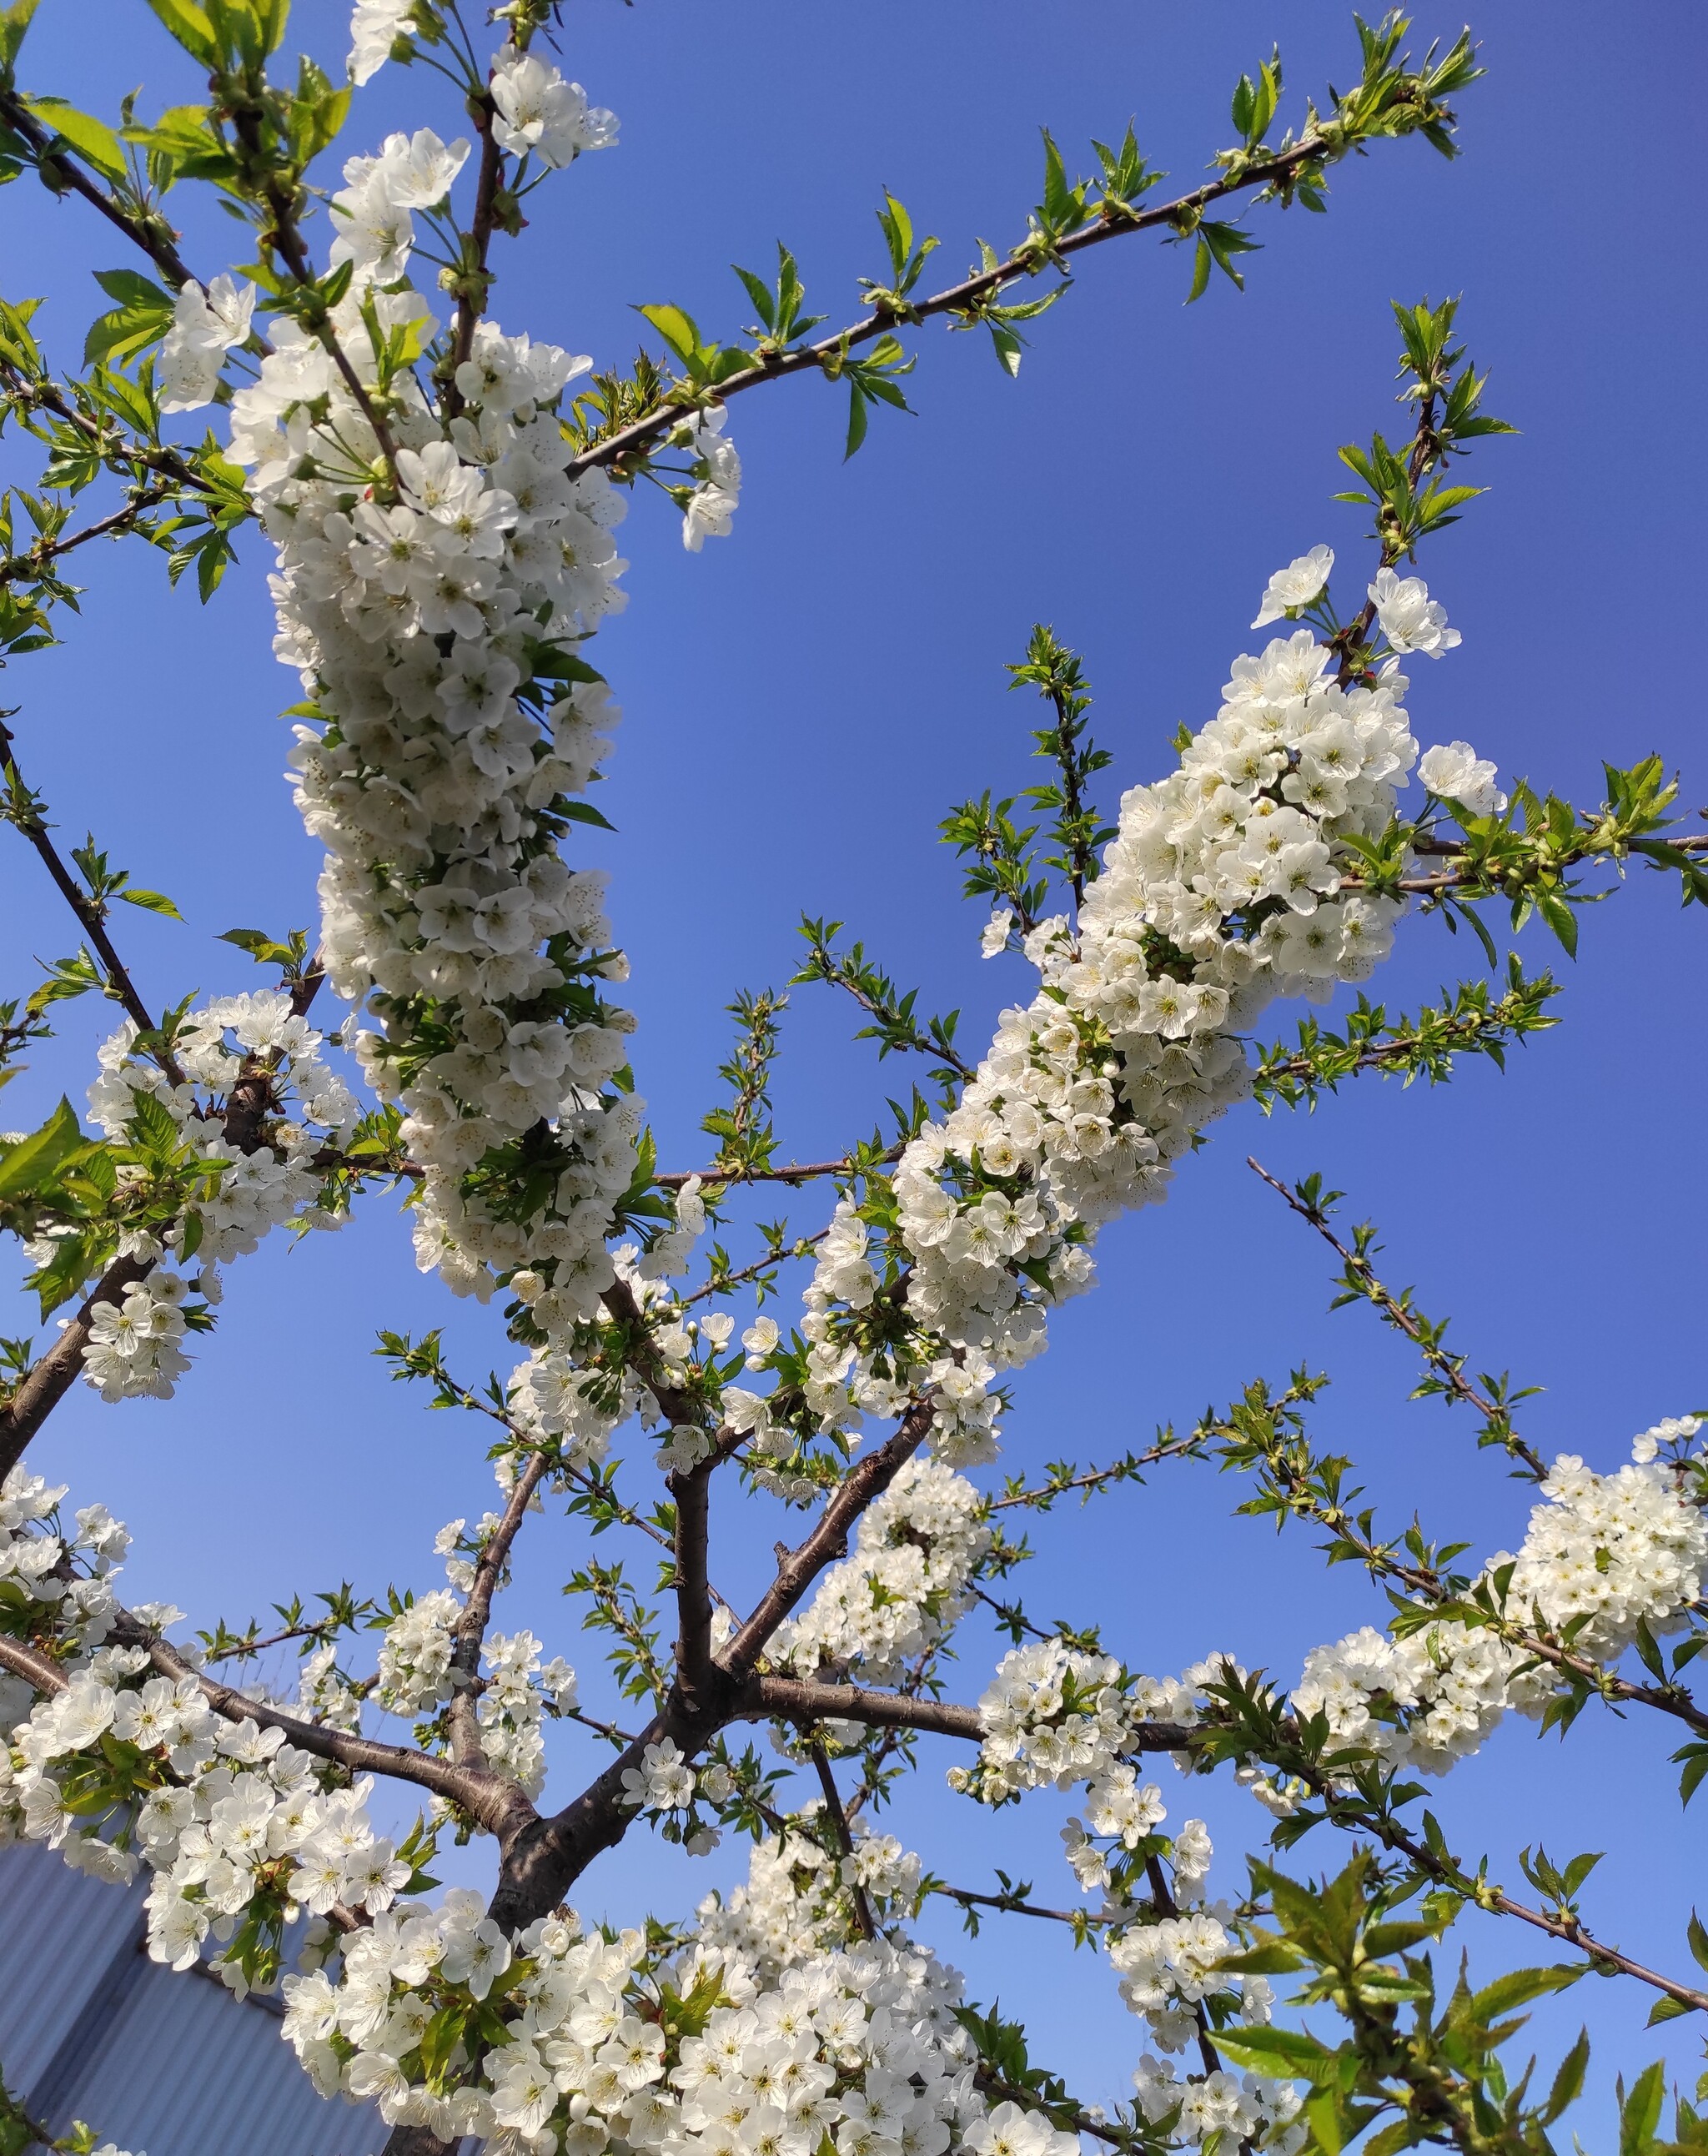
[
  {"x": 1006, "y": 1905},
  {"x": 30, "y": 566},
  {"x": 1182, "y": 214},
  {"x": 1362, "y": 1275},
  {"x": 466, "y": 1747},
  {"x": 159, "y": 250},
  {"x": 844, "y": 1841},
  {"x": 28, "y": 819}
]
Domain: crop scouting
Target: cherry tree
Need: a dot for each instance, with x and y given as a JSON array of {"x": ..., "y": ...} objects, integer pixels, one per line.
[{"x": 443, "y": 496}]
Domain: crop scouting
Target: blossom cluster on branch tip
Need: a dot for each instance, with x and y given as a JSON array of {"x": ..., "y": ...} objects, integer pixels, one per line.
[
  {"x": 433, "y": 606},
  {"x": 1606, "y": 1553},
  {"x": 1221, "y": 890},
  {"x": 1603, "y": 1556}
]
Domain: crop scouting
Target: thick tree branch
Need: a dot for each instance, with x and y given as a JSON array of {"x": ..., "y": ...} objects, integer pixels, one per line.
[
  {"x": 493, "y": 1801},
  {"x": 692, "y": 1492},
  {"x": 796, "y": 1699},
  {"x": 828, "y": 1540}
]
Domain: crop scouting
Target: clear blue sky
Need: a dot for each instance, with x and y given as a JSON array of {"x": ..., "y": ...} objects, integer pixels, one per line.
[{"x": 805, "y": 699}]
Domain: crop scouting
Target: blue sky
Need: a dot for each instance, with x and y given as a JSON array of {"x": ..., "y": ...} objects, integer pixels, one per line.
[{"x": 805, "y": 699}]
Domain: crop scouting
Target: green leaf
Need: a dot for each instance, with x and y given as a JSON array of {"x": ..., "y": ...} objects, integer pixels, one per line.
[
  {"x": 857, "y": 420},
  {"x": 14, "y": 21},
  {"x": 1519, "y": 1986},
  {"x": 92, "y": 139},
  {"x": 1561, "y": 916},
  {"x": 1288, "y": 2050},
  {"x": 1200, "y": 272},
  {"x": 262, "y": 948},
  {"x": 26, "y": 1165},
  {"x": 152, "y": 1129},
  {"x": 132, "y": 289},
  {"x": 1639, "y": 2115},
  {"x": 677, "y": 329},
  {"x": 190, "y": 27},
  {"x": 1568, "y": 2080},
  {"x": 1667, "y": 2009},
  {"x": 150, "y": 901},
  {"x": 1276, "y": 1958}
]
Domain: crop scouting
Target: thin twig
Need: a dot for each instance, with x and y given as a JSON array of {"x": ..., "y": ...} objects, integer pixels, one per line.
[
  {"x": 844, "y": 1841},
  {"x": 69, "y": 174},
  {"x": 466, "y": 1747},
  {"x": 1448, "y": 1368},
  {"x": 965, "y": 298}
]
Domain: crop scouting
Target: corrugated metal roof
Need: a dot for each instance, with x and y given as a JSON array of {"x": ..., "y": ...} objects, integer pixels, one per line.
[
  {"x": 91, "y": 2029},
  {"x": 58, "y": 1935},
  {"x": 189, "y": 2071}
]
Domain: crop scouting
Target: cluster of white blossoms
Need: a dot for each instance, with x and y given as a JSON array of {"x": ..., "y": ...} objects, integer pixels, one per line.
[
  {"x": 49, "y": 1573},
  {"x": 135, "y": 1346},
  {"x": 125, "y": 1767},
  {"x": 518, "y": 1692},
  {"x": 417, "y": 1676},
  {"x": 415, "y": 1673},
  {"x": 903, "y": 1586},
  {"x": 1604, "y": 1554},
  {"x": 1424, "y": 1701},
  {"x": 1612, "y": 1550},
  {"x": 794, "y": 2036},
  {"x": 1166, "y": 1946},
  {"x": 432, "y": 599},
  {"x": 1058, "y": 1715},
  {"x": 1221, "y": 891},
  {"x": 795, "y": 1889},
  {"x": 206, "y": 325},
  {"x": 1232, "y": 2109}
]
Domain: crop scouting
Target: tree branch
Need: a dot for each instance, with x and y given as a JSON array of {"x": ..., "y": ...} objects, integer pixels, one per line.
[
  {"x": 70, "y": 175},
  {"x": 1447, "y": 1872},
  {"x": 1360, "y": 1275},
  {"x": 1180, "y": 215},
  {"x": 466, "y": 1747},
  {"x": 844, "y": 1841},
  {"x": 798, "y": 1699},
  {"x": 28, "y": 819},
  {"x": 48, "y": 1381},
  {"x": 692, "y": 1491},
  {"x": 29, "y": 566},
  {"x": 493, "y": 1801},
  {"x": 828, "y": 1540}
]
